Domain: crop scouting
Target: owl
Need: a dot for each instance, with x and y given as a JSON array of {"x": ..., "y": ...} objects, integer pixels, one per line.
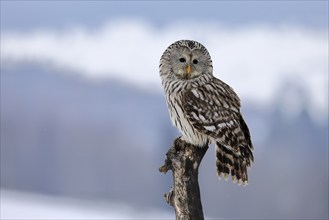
[{"x": 205, "y": 109}]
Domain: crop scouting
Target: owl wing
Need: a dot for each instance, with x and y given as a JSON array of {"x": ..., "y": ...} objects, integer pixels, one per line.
[{"x": 214, "y": 109}]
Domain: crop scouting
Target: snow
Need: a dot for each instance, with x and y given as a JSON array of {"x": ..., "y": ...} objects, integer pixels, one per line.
[
  {"x": 19, "y": 205},
  {"x": 255, "y": 60}
]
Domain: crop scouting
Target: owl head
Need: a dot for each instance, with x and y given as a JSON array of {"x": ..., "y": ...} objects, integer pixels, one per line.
[{"x": 185, "y": 60}]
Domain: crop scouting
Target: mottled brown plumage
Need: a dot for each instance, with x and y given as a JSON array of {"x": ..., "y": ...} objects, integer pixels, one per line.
[{"x": 205, "y": 109}]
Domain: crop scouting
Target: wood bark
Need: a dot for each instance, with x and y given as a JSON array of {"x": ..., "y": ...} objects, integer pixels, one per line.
[{"x": 184, "y": 160}]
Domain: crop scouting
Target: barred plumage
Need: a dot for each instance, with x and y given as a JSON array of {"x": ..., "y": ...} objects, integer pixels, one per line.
[{"x": 205, "y": 109}]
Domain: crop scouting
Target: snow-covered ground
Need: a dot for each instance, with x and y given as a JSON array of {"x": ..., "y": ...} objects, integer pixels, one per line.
[{"x": 19, "y": 205}]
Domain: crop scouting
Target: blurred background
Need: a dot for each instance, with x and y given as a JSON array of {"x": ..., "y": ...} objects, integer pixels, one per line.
[{"x": 84, "y": 124}]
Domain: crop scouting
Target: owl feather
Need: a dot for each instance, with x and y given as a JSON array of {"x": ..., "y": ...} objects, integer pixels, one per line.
[
  {"x": 205, "y": 109},
  {"x": 213, "y": 109}
]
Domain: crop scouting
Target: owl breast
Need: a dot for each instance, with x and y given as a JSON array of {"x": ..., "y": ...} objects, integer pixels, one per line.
[{"x": 179, "y": 119}]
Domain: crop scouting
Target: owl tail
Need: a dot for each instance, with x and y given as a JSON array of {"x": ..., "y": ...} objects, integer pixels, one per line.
[{"x": 229, "y": 163}]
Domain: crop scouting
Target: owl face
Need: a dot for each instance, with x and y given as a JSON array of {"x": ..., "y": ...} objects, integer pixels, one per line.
[
  {"x": 186, "y": 63},
  {"x": 185, "y": 60}
]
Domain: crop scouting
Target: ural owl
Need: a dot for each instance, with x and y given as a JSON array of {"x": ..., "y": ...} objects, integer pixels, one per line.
[{"x": 205, "y": 109}]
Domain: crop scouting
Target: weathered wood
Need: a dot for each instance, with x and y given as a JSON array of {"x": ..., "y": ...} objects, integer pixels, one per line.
[{"x": 184, "y": 160}]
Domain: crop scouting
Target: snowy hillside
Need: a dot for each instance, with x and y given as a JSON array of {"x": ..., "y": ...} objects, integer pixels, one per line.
[
  {"x": 66, "y": 136},
  {"x": 18, "y": 205}
]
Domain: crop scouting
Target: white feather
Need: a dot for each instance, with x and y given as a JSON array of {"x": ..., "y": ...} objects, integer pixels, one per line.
[{"x": 210, "y": 128}]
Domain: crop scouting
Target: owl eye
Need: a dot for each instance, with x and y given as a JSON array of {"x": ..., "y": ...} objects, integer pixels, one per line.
[
  {"x": 195, "y": 61},
  {"x": 182, "y": 60}
]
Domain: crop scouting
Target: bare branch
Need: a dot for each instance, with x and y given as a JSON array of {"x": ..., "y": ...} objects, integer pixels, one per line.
[{"x": 184, "y": 160}]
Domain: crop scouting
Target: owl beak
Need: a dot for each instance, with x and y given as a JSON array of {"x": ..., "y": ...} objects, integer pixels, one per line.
[{"x": 188, "y": 70}]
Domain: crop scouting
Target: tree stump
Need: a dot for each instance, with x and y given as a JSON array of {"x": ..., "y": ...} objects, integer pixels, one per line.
[{"x": 184, "y": 160}]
